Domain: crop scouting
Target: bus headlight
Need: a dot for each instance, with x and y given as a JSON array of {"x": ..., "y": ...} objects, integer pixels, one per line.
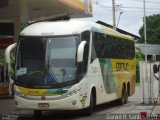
[
  {"x": 72, "y": 92},
  {"x": 18, "y": 93}
]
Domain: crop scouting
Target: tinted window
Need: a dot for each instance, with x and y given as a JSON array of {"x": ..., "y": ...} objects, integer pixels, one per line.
[
  {"x": 32, "y": 52},
  {"x": 85, "y": 36},
  {"x": 62, "y": 60},
  {"x": 112, "y": 47}
]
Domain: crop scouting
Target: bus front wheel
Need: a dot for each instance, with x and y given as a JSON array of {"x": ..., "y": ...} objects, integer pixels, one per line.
[{"x": 89, "y": 110}]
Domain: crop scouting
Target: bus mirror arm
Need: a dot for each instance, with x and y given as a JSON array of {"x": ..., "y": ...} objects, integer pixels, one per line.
[
  {"x": 156, "y": 69},
  {"x": 80, "y": 51}
]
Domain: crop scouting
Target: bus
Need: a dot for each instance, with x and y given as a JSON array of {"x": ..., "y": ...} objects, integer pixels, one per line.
[{"x": 72, "y": 65}]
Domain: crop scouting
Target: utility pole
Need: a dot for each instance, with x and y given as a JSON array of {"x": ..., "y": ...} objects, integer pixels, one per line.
[
  {"x": 145, "y": 35},
  {"x": 145, "y": 100},
  {"x": 119, "y": 18},
  {"x": 113, "y": 14}
]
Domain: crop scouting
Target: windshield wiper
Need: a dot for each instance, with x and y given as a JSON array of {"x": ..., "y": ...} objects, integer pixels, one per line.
[
  {"x": 53, "y": 75},
  {"x": 63, "y": 72}
]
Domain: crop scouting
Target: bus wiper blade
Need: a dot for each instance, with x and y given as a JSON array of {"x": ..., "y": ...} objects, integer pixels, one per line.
[{"x": 54, "y": 76}]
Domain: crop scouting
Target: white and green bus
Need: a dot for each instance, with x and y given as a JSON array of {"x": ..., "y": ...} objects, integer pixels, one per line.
[{"x": 72, "y": 65}]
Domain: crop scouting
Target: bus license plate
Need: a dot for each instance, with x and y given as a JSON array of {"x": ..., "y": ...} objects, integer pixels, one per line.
[{"x": 43, "y": 105}]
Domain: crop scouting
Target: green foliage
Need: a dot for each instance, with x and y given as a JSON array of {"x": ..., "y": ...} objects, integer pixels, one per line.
[
  {"x": 1, "y": 60},
  {"x": 152, "y": 30},
  {"x": 12, "y": 58},
  {"x": 139, "y": 57},
  {"x": 23, "y": 25}
]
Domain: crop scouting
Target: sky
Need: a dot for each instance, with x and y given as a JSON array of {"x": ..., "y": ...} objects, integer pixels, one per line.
[{"x": 131, "y": 18}]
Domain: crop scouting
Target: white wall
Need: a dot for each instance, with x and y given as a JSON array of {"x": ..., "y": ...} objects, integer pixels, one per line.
[{"x": 148, "y": 82}]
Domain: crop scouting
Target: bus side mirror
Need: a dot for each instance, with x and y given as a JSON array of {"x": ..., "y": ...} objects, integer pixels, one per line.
[
  {"x": 155, "y": 68},
  {"x": 80, "y": 51}
]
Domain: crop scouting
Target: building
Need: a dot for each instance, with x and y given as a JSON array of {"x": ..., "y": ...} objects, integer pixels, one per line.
[
  {"x": 152, "y": 51},
  {"x": 15, "y": 12}
]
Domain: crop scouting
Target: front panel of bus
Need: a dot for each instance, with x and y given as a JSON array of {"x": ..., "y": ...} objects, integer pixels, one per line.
[{"x": 46, "y": 68}]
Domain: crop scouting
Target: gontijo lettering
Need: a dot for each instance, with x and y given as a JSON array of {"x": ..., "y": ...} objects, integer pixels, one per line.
[{"x": 122, "y": 66}]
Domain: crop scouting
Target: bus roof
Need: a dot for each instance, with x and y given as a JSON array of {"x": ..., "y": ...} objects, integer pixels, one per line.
[{"x": 68, "y": 28}]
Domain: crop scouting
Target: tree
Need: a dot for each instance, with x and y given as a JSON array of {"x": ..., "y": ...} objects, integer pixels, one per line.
[
  {"x": 139, "y": 57},
  {"x": 152, "y": 30},
  {"x": 12, "y": 56},
  {"x": 24, "y": 25},
  {"x": 1, "y": 60},
  {"x": 12, "y": 60}
]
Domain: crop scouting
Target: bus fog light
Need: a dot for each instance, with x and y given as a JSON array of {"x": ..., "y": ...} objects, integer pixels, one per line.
[{"x": 74, "y": 102}]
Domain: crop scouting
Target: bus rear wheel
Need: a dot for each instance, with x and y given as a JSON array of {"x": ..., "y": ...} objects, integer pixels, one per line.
[{"x": 124, "y": 97}]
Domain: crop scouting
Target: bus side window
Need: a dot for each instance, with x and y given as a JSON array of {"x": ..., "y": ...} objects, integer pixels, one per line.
[
  {"x": 85, "y": 36},
  {"x": 93, "y": 53}
]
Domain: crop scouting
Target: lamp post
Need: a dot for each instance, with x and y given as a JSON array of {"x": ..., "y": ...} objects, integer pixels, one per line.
[
  {"x": 119, "y": 18},
  {"x": 145, "y": 35},
  {"x": 113, "y": 14},
  {"x": 145, "y": 100}
]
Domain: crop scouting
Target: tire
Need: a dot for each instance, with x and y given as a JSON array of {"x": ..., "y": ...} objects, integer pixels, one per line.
[
  {"x": 89, "y": 110},
  {"x": 124, "y": 97},
  {"x": 37, "y": 114}
]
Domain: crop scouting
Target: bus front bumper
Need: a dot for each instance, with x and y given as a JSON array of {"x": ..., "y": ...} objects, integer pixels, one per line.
[{"x": 72, "y": 102}]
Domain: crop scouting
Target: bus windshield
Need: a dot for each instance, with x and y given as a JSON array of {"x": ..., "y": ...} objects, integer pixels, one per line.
[{"x": 49, "y": 62}]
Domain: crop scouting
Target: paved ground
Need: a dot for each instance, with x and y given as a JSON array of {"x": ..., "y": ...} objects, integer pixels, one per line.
[{"x": 102, "y": 112}]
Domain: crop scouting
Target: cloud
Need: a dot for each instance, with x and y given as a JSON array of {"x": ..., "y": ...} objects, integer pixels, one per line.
[{"x": 132, "y": 27}]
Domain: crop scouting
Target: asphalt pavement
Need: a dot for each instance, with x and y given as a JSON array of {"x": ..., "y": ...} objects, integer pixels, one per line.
[{"x": 108, "y": 111}]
